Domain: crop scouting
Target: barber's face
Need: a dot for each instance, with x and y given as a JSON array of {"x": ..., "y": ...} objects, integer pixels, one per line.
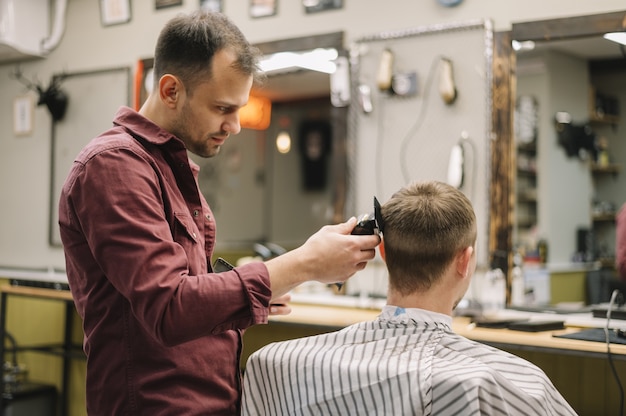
[{"x": 209, "y": 114}]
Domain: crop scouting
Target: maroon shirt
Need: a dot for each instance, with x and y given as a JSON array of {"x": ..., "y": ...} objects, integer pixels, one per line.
[{"x": 162, "y": 333}]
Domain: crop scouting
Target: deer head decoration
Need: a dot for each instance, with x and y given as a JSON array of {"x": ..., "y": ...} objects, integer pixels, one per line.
[{"x": 53, "y": 97}]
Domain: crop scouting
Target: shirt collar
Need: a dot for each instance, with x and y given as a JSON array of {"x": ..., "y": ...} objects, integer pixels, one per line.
[
  {"x": 146, "y": 128},
  {"x": 398, "y": 314}
]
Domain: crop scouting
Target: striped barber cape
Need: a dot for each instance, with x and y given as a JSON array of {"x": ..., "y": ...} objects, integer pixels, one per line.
[{"x": 406, "y": 362}]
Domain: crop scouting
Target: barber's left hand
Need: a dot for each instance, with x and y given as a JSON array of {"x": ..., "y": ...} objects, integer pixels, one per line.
[{"x": 280, "y": 305}]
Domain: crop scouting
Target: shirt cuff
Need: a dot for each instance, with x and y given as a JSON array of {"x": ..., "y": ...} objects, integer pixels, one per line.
[{"x": 256, "y": 282}]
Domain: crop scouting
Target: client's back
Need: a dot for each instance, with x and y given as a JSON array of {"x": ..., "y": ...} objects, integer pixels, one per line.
[{"x": 382, "y": 368}]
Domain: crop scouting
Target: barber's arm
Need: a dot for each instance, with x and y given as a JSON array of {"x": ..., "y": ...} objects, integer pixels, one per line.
[{"x": 331, "y": 255}]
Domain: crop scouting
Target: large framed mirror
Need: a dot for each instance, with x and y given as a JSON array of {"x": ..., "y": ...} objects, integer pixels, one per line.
[{"x": 562, "y": 189}]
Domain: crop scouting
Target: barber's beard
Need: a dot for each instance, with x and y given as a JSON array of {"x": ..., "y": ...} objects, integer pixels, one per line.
[{"x": 201, "y": 147}]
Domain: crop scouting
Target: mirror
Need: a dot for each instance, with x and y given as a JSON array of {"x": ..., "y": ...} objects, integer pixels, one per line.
[
  {"x": 260, "y": 194},
  {"x": 563, "y": 197}
]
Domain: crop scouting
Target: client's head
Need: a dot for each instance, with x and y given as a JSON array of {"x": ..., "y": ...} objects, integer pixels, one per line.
[{"x": 429, "y": 228}]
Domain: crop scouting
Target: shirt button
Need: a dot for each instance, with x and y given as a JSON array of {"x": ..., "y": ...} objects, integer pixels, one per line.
[
  {"x": 195, "y": 213},
  {"x": 194, "y": 235},
  {"x": 208, "y": 217}
]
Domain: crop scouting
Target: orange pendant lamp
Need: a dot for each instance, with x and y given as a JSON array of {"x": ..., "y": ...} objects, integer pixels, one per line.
[{"x": 256, "y": 114}]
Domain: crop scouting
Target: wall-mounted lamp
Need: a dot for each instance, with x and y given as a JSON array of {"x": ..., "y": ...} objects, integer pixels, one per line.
[
  {"x": 526, "y": 45},
  {"x": 283, "y": 142},
  {"x": 618, "y": 37},
  {"x": 256, "y": 114}
]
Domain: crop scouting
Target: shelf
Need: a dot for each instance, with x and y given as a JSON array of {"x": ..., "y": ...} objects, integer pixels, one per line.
[
  {"x": 526, "y": 223},
  {"x": 526, "y": 172},
  {"x": 603, "y": 108},
  {"x": 603, "y": 217},
  {"x": 527, "y": 147},
  {"x": 528, "y": 195},
  {"x": 611, "y": 168},
  {"x": 603, "y": 119}
]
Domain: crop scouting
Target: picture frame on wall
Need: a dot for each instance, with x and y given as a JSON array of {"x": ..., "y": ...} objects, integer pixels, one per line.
[
  {"x": 23, "y": 115},
  {"x": 211, "y": 6},
  {"x": 114, "y": 12},
  {"x": 162, "y": 4},
  {"x": 263, "y": 8},
  {"x": 314, "y": 6}
]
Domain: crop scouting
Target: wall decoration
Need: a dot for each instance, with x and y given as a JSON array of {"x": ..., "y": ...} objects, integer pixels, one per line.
[
  {"x": 263, "y": 8},
  {"x": 315, "y": 147},
  {"x": 314, "y": 6},
  {"x": 211, "y": 5},
  {"x": 161, "y": 4},
  {"x": 23, "y": 109},
  {"x": 114, "y": 12}
]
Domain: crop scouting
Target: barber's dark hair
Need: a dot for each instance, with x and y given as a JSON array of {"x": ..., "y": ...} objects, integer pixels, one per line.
[
  {"x": 187, "y": 44},
  {"x": 426, "y": 225}
]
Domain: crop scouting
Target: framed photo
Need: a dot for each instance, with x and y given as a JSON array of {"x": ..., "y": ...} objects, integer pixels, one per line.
[
  {"x": 314, "y": 6},
  {"x": 263, "y": 8},
  {"x": 23, "y": 111},
  {"x": 114, "y": 12},
  {"x": 161, "y": 4},
  {"x": 211, "y": 5}
]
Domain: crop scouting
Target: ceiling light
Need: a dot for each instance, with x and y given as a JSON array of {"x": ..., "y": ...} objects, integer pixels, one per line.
[
  {"x": 619, "y": 37},
  {"x": 526, "y": 45},
  {"x": 321, "y": 60}
]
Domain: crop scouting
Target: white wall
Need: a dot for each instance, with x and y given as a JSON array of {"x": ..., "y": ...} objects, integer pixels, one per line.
[
  {"x": 565, "y": 196},
  {"x": 86, "y": 45}
]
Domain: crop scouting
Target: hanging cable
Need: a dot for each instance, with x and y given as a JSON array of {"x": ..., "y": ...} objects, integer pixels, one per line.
[
  {"x": 614, "y": 295},
  {"x": 418, "y": 122},
  {"x": 13, "y": 342}
]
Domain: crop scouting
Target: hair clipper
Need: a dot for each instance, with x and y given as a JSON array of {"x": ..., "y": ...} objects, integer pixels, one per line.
[{"x": 368, "y": 224}]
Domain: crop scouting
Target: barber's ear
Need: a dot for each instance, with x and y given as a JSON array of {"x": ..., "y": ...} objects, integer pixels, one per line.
[
  {"x": 170, "y": 89},
  {"x": 463, "y": 261}
]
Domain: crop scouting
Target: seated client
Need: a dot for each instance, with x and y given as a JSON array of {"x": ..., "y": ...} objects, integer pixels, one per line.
[{"x": 408, "y": 361}]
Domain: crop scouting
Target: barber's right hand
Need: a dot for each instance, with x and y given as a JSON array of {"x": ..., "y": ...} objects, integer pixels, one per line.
[
  {"x": 339, "y": 253},
  {"x": 331, "y": 255}
]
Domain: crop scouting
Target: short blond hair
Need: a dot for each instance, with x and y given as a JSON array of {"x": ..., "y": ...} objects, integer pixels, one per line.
[{"x": 426, "y": 224}]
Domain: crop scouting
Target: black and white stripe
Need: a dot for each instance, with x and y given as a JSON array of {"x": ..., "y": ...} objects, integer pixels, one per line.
[{"x": 406, "y": 362}]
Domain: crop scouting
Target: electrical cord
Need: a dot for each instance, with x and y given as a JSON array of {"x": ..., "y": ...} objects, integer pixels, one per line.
[
  {"x": 418, "y": 122},
  {"x": 13, "y": 342},
  {"x": 614, "y": 295}
]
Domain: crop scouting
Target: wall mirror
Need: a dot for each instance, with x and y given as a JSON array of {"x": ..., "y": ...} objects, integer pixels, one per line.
[
  {"x": 567, "y": 197},
  {"x": 260, "y": 194}
]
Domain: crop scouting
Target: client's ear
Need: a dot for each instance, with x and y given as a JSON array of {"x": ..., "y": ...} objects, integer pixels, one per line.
[
  {"x": 463, "y": 261},
  {"x": 381, "y": 249}
]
